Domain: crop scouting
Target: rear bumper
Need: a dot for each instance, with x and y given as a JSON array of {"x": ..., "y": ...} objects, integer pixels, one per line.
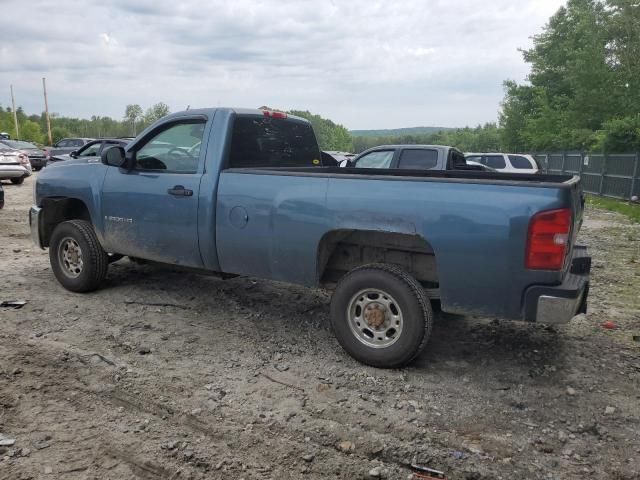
[
  {"x": 560, "y": 303},
  {"x": 35, "y": 225},
  {"x": 13, "y": 171},
  {"x": 38, "y": 162}
]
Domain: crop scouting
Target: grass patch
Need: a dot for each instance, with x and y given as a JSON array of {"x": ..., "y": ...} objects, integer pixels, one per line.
[{"x": 631, "y": 210}]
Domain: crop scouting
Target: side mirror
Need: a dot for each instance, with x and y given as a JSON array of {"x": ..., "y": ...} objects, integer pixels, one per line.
[
  {"x": 347, "y": 163},
  {"x": 114, "y": 157},
  {"x": 74, "y": 154}
]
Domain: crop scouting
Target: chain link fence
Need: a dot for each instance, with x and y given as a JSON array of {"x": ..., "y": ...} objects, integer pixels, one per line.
[{"x": 610, "y": 175}]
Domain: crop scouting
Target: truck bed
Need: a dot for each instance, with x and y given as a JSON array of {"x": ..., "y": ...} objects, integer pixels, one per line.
[{"x": 471, "y": 176}]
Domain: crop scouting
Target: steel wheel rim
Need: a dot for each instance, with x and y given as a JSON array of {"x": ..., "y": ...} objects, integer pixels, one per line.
[
  {"x": 375, "y": 318},
  {"x": 70, "y": 257}
]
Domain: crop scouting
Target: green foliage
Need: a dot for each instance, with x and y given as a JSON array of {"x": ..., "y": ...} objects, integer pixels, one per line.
[
  {"x": 398, "y": 132},
  {"x": 619, "y": 135},
  {"x": 33, "y": 128},
  {"x": 584, "y": 89},
  {"x": 58, "y": 133},
  {"x": 631, "y": 210},
  {"x": 482, "y": 138},
  {"x": 155, "y": 112},
  {"x": 31, "y": 132},
  {"x": 132, "y": 113},
  {"x": 330, "y": 135}
]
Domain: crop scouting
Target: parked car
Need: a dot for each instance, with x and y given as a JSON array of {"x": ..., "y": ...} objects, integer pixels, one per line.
[
  {"x": 90, "y": 149},
  {"x": 414, "y": 157},
  {"x": 255, "y": 200},
  {"x": 66, "y": 145},
  {"x": 35, "y": 154},
  {"x": 4, "y": 136},
  {"x": 1, "y": 196},
  {"x": 14, "y": 165},
  {"x": 506, "y": 162}
]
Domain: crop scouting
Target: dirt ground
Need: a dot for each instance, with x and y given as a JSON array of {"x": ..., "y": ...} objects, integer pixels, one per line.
[{"x": 167, "y": 375}]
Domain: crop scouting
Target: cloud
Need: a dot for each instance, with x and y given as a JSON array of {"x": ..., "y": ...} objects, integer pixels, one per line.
[{"x": 363, "y": 63}]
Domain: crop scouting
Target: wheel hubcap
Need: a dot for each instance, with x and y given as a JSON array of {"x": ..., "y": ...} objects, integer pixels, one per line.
[
  {"x": 375, "y": 318},
  {"x": 70, "y": 257}
]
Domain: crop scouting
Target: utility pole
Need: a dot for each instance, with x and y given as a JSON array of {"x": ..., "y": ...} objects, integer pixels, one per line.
[
  {"x": 46, "y": 110},
  {"x": 15, "y": 115}
]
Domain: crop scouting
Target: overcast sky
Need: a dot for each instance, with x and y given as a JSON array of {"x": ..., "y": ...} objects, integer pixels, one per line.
[{"x": 365, "y": 64}]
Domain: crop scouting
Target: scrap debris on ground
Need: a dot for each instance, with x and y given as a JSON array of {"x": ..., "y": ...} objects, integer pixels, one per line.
[{"x": 168, "y": 375}]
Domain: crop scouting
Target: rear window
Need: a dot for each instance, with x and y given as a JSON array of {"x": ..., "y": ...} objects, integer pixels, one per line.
[
  {"x": 418, "y": 159},
  {"x": 19, "y": 144},
  {"x": 520, "y": 162},
  {"x": 272, "y": 142},
  {"x": 495, "y": 161}
]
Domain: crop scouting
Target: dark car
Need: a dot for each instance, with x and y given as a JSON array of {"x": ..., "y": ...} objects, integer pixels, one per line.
[
  {"x": 414, "y": 157},
  {"x": 91, "y": 149},
  {"x": 36, "y": 155},
  {"x": 66, "y": 145},
  {"x": 1, "y": 196}
]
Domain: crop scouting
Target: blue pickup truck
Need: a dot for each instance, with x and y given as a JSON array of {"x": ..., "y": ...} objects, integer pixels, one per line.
[{"x": 244, "y": 192}]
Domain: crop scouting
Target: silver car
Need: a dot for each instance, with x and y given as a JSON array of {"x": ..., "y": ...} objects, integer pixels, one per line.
[
  {"x": 35, "y": 154},
  {"x": 14, "y": 165}
]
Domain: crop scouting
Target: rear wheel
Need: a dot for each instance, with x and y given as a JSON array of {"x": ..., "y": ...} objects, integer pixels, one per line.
[
  {"x": 381, "y": 315},
  {"x": 17, "y": 181},
  {"x": 77, "y": 258}
]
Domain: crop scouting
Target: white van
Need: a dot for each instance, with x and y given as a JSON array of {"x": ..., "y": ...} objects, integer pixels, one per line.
[{"x": 506, "y": 162}]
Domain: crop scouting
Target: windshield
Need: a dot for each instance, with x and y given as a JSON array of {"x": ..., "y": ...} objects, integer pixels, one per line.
[{"x": 19, "y": 144}]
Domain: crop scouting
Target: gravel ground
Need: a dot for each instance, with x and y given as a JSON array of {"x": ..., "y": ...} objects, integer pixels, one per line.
[{"x": 167, "y": 375}]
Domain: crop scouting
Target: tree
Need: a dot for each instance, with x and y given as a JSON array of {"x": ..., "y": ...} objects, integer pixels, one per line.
[
  {"x": 133, "y": 113},
  {"x": 31, "y": 132},
  {"x": 330, "y": 135},
  {"x": 585, "y": 73},
  {"x": 58, "y": 133},
  {"x": 156, "y": 112}
]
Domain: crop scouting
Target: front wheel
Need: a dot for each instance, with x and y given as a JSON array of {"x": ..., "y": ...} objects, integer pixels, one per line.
[
  {"x": 17, "y": 181},
  {"x": 77, "y": 258},
  {"x": 381, "y": 315}
]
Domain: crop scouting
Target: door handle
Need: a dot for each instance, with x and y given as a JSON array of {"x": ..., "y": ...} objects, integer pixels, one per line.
[{"x": 180, "y": 191}]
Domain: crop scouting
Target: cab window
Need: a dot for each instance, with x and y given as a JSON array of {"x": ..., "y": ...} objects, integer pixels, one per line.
[
  {"x": 418, "y": 159},
  {"x": 91, "y": 150},
  {"x": 520, "y": 162},
  {"x": 495, "y": 161},
  {"x": 175, "y": 149},
  {"x": 378, "y": 159}
]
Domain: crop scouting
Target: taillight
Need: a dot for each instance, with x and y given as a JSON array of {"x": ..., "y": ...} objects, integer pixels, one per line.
[
  {"x": 272, "y": 114},
  {"x": 548, "y": 239}
]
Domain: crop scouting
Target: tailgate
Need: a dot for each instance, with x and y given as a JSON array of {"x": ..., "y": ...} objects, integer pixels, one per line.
[{"x": 577, "y": 205}]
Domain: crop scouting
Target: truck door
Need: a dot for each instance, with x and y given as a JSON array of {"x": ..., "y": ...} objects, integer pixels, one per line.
[{"x": 150, "y": 211}]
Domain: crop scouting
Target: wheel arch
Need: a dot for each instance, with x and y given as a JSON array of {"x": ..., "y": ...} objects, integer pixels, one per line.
[
  {"x": 342, "y": 250},
  {"x": 60, "y": 209}
]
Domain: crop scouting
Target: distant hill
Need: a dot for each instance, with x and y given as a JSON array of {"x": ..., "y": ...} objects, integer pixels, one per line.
[{"x": 394, "y": 132}]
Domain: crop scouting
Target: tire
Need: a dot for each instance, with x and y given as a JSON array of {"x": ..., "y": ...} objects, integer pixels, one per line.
[
  {"x": 17, "y": 181},
  {"x": 401, "y": 302},
  {"x": 77, "y": 258}
]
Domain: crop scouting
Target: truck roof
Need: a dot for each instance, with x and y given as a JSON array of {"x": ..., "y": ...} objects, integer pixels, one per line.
[
  {"x": 238, "y": 111},
  {"x": 405, "y": 145}
]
